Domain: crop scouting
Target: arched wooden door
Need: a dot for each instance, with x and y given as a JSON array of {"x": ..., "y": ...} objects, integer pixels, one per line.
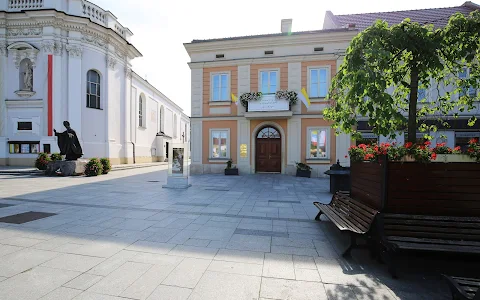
[{"x": 268, "y": 156}]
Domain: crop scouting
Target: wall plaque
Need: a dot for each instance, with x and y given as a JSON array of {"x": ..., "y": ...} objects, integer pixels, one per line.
[{"x": 243, "y": 150}]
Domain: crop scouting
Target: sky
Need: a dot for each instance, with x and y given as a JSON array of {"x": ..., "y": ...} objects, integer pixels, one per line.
[{"x": 161, "y": 27}]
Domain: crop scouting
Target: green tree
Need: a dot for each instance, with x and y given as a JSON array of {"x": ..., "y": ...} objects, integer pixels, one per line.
[{"x": 385, "y": 66}]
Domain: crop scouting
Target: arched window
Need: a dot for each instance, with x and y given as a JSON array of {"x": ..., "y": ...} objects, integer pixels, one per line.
[
  {"x": 268, "y": 133},
  {"x": 141, "y": 111},
  {"x": 175, "y": 126},
  {"x": 93, "y": 89}
]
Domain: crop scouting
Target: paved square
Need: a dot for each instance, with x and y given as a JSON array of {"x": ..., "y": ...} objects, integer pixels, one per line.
[{"x": 122, "y": 236}]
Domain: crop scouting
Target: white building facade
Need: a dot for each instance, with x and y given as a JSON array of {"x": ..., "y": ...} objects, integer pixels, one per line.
[{"x": 71, "y": 60}]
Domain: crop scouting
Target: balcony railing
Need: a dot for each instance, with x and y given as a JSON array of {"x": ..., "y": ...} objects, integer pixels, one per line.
[
  {"x": 94, "y": 13},
  {"x": 24, "y": 4}
]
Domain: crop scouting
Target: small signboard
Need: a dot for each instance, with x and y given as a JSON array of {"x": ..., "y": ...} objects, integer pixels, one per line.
[
  {"x": 243, "y": 150},
  {"x": 269, "y": 103}
]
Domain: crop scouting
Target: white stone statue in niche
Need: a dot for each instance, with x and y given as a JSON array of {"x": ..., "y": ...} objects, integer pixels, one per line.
[{"x": 28, "y": 77}]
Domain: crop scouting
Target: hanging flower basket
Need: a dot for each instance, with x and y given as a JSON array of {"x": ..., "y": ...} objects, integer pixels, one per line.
[
  {"x": 253, "y": 96},
  {"x": 290, "y": 96}
]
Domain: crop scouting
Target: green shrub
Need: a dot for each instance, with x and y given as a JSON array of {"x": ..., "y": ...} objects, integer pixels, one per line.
[
  {"x": 42, "y": 161},
  {"x": 93, "y": 167},
  {"x": 56, "y": 156},
  {"x": 106, "y": 165}
]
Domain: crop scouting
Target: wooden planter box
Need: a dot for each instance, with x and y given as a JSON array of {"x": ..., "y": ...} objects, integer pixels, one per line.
[
  {"x": 231, "y": 171},
  {"x": 304, "y": 173},
  {"x": 448, "y": 189}
]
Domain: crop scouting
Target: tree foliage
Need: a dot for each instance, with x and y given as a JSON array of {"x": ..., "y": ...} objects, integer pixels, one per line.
[{"x": 384, "y": 67}]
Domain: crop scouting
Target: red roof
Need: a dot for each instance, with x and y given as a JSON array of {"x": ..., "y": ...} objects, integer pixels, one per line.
[{"x": 436, "y": 16}]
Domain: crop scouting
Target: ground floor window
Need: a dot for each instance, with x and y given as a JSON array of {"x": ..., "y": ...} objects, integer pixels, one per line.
[
  {"x": 317, "y": 146},
  {"x": 219, "y": 142},
  {"x": 24, "y": 147},
  {"x": 367, "y": 138}
]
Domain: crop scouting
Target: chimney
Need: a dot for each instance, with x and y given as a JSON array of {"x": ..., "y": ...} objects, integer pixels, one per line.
[{"x": 286, "y": 25}]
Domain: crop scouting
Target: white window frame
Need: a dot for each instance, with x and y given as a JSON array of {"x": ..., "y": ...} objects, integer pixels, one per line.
[
  {"x": 268, "y": 70},
  {"x": 468, "y": 90},
  {"x": 308, "y": 140},
  {"x": 213, "y": 74},
  {"x": 99, "y": 90},
  {"x": 309, "y": 80},
  {"x": 211, "y": 145}
]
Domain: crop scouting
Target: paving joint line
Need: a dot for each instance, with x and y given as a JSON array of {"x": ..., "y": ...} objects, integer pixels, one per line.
[{"x": 159, "y": 210}]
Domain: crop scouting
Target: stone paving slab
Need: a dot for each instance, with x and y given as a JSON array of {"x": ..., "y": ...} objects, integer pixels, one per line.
[{"x": 121, "y": 236}]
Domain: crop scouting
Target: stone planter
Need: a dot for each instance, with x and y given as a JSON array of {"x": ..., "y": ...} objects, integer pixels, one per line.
[
  {"x": 231, "y": 171},
  {"x": 304, "y": 173},
  {"x": 66, "y": 167},
  {"x": 450, "y": 158}
]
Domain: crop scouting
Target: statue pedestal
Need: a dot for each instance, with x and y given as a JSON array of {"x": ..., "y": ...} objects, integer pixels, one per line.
[
  {"x": 176, "y": 183},
  {"x": 66, "y": 167}
]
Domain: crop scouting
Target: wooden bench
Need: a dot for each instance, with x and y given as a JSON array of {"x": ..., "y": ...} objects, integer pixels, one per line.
[
  {"x": 427, "y": 233},
  {"x": 349, "y": 215},
  {"x": 464, "y": 288}
]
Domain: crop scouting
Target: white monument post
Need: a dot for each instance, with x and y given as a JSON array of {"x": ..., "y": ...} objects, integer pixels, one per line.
[{"x": 178, "y": 167}]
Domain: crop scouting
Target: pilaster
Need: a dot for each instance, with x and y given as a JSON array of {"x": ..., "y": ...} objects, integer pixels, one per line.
[
  {"x": 3, "y": 71},
  {"x": 197, "y": 92},
  {"x": 74, "y": 102},
  {"x": 243, "y": 86},
  {"x": 243, "y": 163},
  {"x": 295, "y": 83},
  {"x": 294, "y": 142}
]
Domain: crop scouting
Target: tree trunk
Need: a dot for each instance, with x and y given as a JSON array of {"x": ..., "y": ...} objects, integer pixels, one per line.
[{"x": 412, "y": 108}]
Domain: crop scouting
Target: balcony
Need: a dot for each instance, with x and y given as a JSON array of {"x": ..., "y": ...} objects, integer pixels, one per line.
[
  {"x": 81, "y": 8},
  {"x": 268, "y": 106}
]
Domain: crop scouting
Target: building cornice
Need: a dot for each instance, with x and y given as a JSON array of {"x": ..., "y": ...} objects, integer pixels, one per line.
[
  {"x": 266, "y": 60},
  {"x": 31, "y": 23},
  {"x": 261, "y": 42}
]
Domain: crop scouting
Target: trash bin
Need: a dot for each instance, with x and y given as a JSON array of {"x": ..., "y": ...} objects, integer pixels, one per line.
[{"x": 339, "y": 178}]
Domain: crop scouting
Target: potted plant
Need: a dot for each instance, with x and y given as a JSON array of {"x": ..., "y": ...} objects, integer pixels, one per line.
[
  {"x": 473, "y": 149},
  {"x": 303, "y": 170},
  {"x": 231, "y": 170},
  {"x": 94, "y": 167},
  {"x": 107, "y": 166},
  {"x": 42, "y": 161},
  {"x": 56, "y": 156},
  {"x": 446, "y": 154}
]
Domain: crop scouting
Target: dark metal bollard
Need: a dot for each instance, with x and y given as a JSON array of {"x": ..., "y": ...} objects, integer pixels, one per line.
[{"x": 339, "y": 178}]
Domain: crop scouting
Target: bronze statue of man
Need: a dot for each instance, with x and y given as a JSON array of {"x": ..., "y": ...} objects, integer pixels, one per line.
[{"x": 68, "y": 143}]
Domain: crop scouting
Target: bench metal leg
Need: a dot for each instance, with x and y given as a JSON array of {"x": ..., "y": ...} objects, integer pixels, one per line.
[
  {"x": 353, "y": 243},
  {"x": 317, "y": 218}
]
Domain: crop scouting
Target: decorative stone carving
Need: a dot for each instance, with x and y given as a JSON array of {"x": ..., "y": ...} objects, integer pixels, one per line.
[
  {"x": 48, "y": 46},
  {"x": 74, "y": 50},
  {"x": 3, "y": 48},
  {"x": 94, "y": 40},
  {"x": 111, "y": 62},
  {"x": 21, "y": 50},
  {"x": 18, "y": 32},
  {"x": 58, "y": 48},
  {"x": 128, "y": 73},
  {"x": 28, "y": 77}
]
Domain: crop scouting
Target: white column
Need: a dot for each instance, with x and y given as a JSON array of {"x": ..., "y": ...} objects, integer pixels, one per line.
[
  {"x": 3, "y": 109},
  {"x": 342, "y": 142},
  {"x": 197, "y": 92},
  {"x": 127, "y": 146},
  {"x": 112, "y": 106},
  {"x": 294, "y": 143},
  {"x": 243, "y": 163},
  {"x": 197, "y": 159},
  {"x": 75, "y": 93},
  {"x": 243, "y": 86},
  {"x": 295, "y": 83},
  {"x": 57, "y": 86}
]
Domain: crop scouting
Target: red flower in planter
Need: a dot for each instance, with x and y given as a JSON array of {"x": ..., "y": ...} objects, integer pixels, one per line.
[
  {"x": 408, "y": 145},
  {"x": 473, "y": 141},
  {"x": 428, "y": 143},
  {"x": 363, "y": 146},
  {"x": 434, "y": 156},
  {"x": 457, "y": 149}
]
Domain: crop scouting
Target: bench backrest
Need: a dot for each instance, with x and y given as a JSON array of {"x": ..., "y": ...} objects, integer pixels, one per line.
[
  {"x": 356, "y": 213},
  {"x": 432, "y": 227}
]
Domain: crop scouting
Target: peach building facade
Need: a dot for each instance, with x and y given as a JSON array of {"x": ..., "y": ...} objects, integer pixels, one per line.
[{"x": 267, "y": 134}]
